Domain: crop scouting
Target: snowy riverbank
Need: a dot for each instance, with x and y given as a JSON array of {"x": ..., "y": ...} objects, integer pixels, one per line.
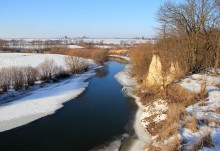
[
  {"x": 42, "y": 102},
  {"x": 129, "y": 84},
  {"x": 24, "y": 106}
]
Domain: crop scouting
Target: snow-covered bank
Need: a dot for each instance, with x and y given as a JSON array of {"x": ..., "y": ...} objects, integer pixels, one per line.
[
  {"x": 28, "y": 105},
  {"x": 30, "y": 59},
  {"x": 205, "y": 111},
  {"x": 128, "y": 85},
  {"x": 42, "y": 102}
]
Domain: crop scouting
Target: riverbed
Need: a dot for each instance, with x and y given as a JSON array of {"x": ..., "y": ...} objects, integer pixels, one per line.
[{"x": 99, "y": 115}]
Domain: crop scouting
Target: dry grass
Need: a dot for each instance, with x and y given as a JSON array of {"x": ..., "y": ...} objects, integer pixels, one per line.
[
  {"x": 191, "y": 123},
  {"x": 178, "y": 94},
  {"x": 202, "y": 104},
  {"x": 148, "y": 94},
  {"x": 211, "y": 122},
  {"x": 205, "y": 141},
  {"x": 141, "y": 57},
  {"x": 218, "y": 110},
  {"x": 122, "y": 52},
  {"x": 99, "y": 55},
  {"x": 173, "y": 145},
  {"x": 151, "y": 147},
  {"x": 217, "y": 85},
  {"x": 167, "y": 131},
  {"x": 203, "y": 92}
]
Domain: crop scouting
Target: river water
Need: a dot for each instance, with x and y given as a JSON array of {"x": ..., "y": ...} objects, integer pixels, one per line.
[{"x": 101, "y": 114}]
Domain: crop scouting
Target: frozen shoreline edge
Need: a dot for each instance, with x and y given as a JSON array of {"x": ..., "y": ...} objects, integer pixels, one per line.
[{"x": 128, "y": 84}]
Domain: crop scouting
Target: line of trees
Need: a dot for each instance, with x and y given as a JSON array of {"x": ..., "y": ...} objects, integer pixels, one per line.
[
  {"x": 22, "y": 77},
  {"x": 17, "y": 77}
]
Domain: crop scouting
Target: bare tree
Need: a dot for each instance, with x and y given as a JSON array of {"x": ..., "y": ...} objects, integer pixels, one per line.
[
  {"x": 193, "y": 24},
  {"x": 76, "y": 64}
]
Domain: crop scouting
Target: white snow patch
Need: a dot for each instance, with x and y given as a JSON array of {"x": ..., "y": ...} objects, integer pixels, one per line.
[
  {"x": 75, "y": 47},
  {"x": 103, "y": 46},
  {"x": 143, "y": 136},
  {"x": 158, "y": 108},
  {"x": 28, "y": 59}
]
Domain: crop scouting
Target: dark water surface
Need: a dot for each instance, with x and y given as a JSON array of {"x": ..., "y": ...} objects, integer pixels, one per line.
[{"x": 95, "y": 117}]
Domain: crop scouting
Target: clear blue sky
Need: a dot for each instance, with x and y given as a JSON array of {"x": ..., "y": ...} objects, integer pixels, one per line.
[{"x": 73, "y": 18}]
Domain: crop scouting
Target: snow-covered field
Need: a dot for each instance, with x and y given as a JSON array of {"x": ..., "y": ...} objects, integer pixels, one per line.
[
  {"x": 28, "y": 59},
  {"x": 39, "y": 102}
]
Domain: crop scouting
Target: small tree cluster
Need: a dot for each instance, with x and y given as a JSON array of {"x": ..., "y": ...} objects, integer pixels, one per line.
[
  {"x": 17, "y": 77},
  {"x": 76, "y": 64},
  {"x": 49, "y": 70}
]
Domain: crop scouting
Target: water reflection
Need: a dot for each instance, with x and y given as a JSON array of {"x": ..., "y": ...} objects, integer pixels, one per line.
[{"x": 102, "y": 72}]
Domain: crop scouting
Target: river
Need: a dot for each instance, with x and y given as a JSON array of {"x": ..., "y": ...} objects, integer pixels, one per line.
[{"x": 99, "y": 115}]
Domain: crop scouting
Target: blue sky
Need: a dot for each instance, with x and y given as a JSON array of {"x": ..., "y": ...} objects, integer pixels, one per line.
[{"x": 73, "y": 18}]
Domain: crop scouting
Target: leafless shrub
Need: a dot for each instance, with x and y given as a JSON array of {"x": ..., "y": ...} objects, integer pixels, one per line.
[
  {"x": 5, "y": 79},
  {"x": 60, "y": 73},
  {"x": 17, "y": 78},
  {"x": 30, "y": 75},
  {"x": 76, "y": 64},
  {"x": 47, "y": 69}
]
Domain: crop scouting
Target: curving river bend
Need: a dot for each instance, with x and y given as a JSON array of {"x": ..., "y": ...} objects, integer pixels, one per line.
[{"x": 99, "y": 115}]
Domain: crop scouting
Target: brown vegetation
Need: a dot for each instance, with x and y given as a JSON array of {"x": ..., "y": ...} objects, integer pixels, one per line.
[
  {"x": 99, "y": 55},
  {"x": 218, "y": 110},
  {"x": 121, "y": 52},
  {"x": 141, "y": 57}
]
